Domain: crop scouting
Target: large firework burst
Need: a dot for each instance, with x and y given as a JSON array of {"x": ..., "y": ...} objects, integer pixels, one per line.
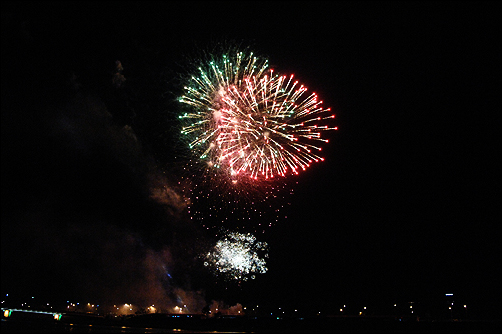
[{"x": 251, "y": 122}]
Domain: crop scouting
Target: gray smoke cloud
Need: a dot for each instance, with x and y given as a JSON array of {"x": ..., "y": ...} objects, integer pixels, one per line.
[{"x": 99, "y": 219}]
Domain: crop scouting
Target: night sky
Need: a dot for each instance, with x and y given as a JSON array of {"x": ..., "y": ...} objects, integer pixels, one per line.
[{"x": 406, "y": 205}]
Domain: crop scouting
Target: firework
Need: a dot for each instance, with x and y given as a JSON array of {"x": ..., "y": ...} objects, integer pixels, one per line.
[
  {"x": 237, "y": 257},
  {"x": 250, "y": 122},
  {"x": 215, "y": 204}
]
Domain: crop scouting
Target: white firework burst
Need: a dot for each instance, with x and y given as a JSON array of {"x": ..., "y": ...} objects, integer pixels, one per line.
[{"x": 237, "y": 256}]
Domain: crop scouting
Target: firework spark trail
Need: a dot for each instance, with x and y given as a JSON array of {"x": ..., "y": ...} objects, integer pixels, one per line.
[
  {"x": 251, "y": 122},
  {"x": 236, "y": 256}
]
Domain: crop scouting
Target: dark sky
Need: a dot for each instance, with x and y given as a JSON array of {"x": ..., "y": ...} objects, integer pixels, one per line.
[{"x": 405, "y": 207}]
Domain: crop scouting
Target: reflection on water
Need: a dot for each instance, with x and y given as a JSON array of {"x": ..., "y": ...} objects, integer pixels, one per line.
[
  {"x": 257, "y": 325},
  {"x": 8, "y": 326}
]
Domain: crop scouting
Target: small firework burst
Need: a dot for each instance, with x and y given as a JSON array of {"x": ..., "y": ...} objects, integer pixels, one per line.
[{"x": 237, "y": 257}]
